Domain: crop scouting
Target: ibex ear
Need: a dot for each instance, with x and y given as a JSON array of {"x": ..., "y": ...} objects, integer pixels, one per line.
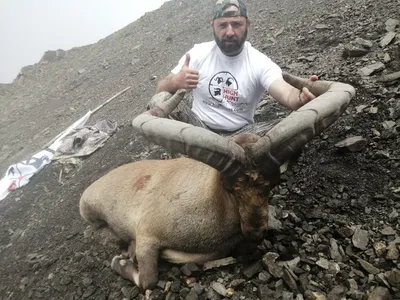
[
  {"x": 272, "y": 174},
  {"x": 228, "y": 182}
]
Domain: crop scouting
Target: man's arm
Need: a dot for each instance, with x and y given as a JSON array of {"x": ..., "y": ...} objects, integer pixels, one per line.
[
  {"x": 168, "y": 84},
  {"x": 288, "y": 95},
  {"x": 186, "y": 78}
]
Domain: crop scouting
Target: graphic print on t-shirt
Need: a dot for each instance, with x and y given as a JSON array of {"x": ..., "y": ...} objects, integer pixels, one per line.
[
  {"x": 224, "y": 89},
  {"x": 223, "y": 86}
]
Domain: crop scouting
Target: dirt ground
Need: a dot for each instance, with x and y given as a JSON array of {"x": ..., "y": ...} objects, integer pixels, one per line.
[{"x": 46, "y": 249}]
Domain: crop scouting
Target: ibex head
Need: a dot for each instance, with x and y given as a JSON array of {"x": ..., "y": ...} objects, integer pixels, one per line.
[{"x": 249, "y": 164}]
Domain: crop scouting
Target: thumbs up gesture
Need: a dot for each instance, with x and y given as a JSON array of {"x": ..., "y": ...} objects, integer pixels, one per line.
[{"x": 187, "y": 78}]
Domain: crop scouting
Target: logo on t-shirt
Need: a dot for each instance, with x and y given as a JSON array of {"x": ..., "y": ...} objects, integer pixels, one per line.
[{"x": 224, "y": 87}]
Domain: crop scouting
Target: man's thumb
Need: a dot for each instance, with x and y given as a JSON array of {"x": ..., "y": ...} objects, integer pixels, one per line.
[{"x": 187, "y": 61}]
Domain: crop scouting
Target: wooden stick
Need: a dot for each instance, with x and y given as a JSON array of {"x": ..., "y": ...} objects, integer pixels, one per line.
[
  {"x": 109, "y": 100},
  {"x": 94, "y": 111}
]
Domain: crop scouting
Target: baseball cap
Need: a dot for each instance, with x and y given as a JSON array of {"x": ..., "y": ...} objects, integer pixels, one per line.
[{"x": 221, "y": 5}]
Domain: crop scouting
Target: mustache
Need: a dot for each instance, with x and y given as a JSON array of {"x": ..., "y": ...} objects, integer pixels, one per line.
[{"x": 230, "y": 40}]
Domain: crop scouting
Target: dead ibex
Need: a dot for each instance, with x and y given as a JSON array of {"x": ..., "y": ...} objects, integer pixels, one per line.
[{"x": 196, "y": 210}]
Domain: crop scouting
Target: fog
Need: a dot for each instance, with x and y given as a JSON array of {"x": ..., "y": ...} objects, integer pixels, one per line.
[{"x": 28, "y": 28}]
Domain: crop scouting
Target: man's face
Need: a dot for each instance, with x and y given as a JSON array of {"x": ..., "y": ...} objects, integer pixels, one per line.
[{"x": 230, "y": 33}]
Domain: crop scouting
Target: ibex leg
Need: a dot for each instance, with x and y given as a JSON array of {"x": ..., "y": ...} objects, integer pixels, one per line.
[{"x": 147, "y": 255}]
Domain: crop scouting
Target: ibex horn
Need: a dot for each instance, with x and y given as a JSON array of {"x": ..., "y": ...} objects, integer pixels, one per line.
[
  {"x": 301, "y": 126},
  {"x": 198, "y": 143}
]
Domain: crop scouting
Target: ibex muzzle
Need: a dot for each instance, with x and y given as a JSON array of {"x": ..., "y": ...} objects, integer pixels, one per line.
[{"x": 197, "y": 209}]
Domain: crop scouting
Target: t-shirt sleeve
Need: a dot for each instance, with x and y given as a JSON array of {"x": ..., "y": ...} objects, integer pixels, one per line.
[{"x": 269, "y": 72}]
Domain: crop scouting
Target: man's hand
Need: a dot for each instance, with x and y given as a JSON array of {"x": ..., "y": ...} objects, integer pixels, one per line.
[
  {"x": 187, "y": 78},
  {"x": 305, "y": 95},
  {"x": 289, "y": 96}
]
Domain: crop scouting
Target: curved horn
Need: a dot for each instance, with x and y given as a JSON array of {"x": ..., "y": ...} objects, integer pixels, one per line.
[
  {"x": 317, "y": 87},
  {"x": 198, "y": 143},
  {"x": 301, "y": 126}
]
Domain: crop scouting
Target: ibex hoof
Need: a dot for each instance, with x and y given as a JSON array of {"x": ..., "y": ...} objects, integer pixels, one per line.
[{"x": 125, "y": 268}]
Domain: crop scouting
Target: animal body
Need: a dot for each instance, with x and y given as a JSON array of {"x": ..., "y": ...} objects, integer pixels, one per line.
[
  {"x": 197, "y": 209},
  {"x": 179, "y": 210}
]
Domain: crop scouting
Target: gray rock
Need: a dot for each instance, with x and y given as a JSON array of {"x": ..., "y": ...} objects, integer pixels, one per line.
[
  {"x": 323, "y": 263},
  {"x": 175, "y": 286},
  {"x": 273, "y": 268},
  {"x": 363, "y": 43},
  {"x": 184, "y": 292},
  {"x": 287, "y": 296},
  {"x": 391, "y": 24},
  {"x": 334, "y": 251},
  {"x": 289, "y": 280},
  {"x": 273, "y": 222},
  {"x": 219, "y": 288},
  {"x": 393, "y": 277},
  {"x": 387, "y": 39},
  {"x": 87, "y": 282},
  {"x": 237, "y": 283},
  {"x": 388, "y": 231},
  {"x": 310, "y": 58},
  {"x": 390, "y": 77},
  {"x": 352, "y": 144},
  {"x": 352, "y": 285},
  {"x": 252, "y": 270},
  {"x": 173, "y": 296},
  {"x": 372, "y": 69},
  {"x": 388, "y": 124},
  {"x": 368, "y": 267},
  {"x": 322, "y": 26},
  {"x": 380, "y": 293},
  {"x": 219, "y": 263},
  {"x": 387, "y": 58},
  {"x": 354, "y": 51},
  {"x": 338, "y": 292},
  {"x": 213, "y": 295},
  {"x": 392, "y": 252},
  {"x": 360, "y": 239},
  {"x": 381, "y": 278},
  {"x": 393, "y": 216},
  {"x": 89, "y": 291},
  {"x": 189, "y": 269},
  {"x": 192, "y": 295},
  {"x": 264, "y": 276},
  {"x": 380, "y": 249},
  {"x": 334, "y": 268},
  {"x": 292, "y": 264},
  {"x": 373, "y": 110},
  {"x": 264, "y": 292},
  {"x": 310, "y": 295}
]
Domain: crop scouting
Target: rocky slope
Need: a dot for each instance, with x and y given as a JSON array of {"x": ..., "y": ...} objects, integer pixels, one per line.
[{"x": 337, "y": 207}]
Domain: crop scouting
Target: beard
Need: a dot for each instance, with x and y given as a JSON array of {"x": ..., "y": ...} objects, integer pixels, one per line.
[{"x": 231, "y": 46}]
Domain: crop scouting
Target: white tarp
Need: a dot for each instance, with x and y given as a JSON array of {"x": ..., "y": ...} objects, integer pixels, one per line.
[{"x": 18, "y": 175}]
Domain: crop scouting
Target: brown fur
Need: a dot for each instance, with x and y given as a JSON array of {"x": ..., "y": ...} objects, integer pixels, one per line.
[{"x": 175, "y": 209}]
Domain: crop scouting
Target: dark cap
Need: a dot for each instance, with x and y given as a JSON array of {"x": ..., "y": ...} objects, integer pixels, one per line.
[{"x": 221, "y": 5}]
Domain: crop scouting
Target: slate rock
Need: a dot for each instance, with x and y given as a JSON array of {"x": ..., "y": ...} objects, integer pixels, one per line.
[
  {"x": 387, "y": 39},
  {"x": 372, "y": 69},
  {"x": 380, "y": 293}
]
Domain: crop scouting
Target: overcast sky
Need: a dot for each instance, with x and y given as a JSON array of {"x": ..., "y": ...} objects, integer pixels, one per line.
[{"x": 28, "y": 28}]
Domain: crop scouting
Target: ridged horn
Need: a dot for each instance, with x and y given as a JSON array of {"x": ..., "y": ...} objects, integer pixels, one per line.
[
  {"x": 198, "y": 143},
  {"x": 301, "y": 126},
  {"x": 317, "y": 87}
]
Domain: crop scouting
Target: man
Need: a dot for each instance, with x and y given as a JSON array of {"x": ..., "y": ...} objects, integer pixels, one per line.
[{"x": 228, "y": 77}]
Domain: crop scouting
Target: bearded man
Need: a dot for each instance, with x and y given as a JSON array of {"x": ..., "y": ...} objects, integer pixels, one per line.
[{"x": 228, "y": 77}]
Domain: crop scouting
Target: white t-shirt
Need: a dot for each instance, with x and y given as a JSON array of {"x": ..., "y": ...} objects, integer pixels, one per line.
[{"x": 230, "y": 87}]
